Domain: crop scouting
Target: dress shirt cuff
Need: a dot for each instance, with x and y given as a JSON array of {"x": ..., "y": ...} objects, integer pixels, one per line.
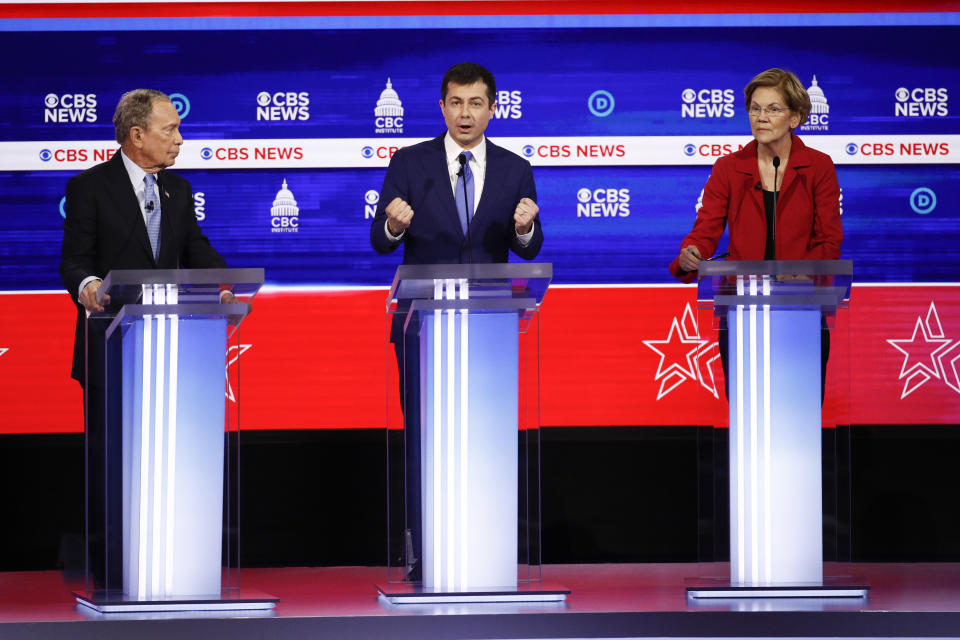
[
  {"x": 84, "y": 283},
  {"x": 390, "y": 236},
  {"x": 526, "y": 237}
]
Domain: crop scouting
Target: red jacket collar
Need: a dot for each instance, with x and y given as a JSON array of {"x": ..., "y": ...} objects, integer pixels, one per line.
[{"x": 746, "y": 158}]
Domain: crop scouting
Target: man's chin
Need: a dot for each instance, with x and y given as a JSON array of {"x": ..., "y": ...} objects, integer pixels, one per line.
[{"x": 466, "y": 140}]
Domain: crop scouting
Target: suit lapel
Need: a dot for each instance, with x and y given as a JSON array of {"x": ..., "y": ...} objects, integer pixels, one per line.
[
  {"x": 493, "y": 175},
  {"x": 128, "y": 209},
  {"x": 748, "y": 171},
  {"x": 799, "y": 159},
  {"x": 436, "y": 170},
  {"x": 168, "y": 202}
]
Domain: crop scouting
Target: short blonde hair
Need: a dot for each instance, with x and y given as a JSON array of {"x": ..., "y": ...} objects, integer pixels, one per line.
[{"x": 787, "y": 84}]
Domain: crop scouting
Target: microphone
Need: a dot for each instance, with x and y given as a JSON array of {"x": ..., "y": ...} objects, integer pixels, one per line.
[
  {"x": 776, "y": 165},
  {"x": 462, "y": 159},
  {"x": 149, "y": 206},
  {"x": 758, "y": 186}
]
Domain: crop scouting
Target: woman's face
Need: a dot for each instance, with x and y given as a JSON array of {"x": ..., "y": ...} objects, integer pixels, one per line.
[{"x": 770, "y": 119}]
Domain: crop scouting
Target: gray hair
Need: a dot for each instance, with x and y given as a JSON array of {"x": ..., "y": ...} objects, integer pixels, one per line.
[{"x": 134, "y": 110}]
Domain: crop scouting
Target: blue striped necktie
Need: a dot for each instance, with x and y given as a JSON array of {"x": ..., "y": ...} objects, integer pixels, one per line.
[
  {"x": 465, "y": 199},
  {"x": 152, "y": 206}
]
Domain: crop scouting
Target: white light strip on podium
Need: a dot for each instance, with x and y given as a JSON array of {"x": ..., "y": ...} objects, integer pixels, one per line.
[
  {"x": 753, "y": 438},
  {"x": 464, "y": 439},
  {"x": 767, "y": 434},
  {"x": 172, "y": 379},
  {"x": 160, "y": 297},
  {"x": 144, "y": 448},
  {"x": 741, "y": 486},
  {"x": 448, "y": 491},
  {"x": 754, "y": 448},
  {"x": 437, "y": 419}
]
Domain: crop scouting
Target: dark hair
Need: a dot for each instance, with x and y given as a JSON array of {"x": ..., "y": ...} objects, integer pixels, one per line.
[{"x": 468, "y": 73}]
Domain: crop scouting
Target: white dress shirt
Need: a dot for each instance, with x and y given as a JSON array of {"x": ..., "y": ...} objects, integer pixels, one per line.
[
  {"x": 478, "y": 166},
  {"x": 136, "y": 174}
]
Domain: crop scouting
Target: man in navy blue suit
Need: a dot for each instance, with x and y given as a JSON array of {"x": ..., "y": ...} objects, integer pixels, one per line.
[
  {"x": 417, "y": 202},
  {"x": 457, "y": 198}
]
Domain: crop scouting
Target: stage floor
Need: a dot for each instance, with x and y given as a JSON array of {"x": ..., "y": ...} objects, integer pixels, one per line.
[{"x": 615, "y": 600}]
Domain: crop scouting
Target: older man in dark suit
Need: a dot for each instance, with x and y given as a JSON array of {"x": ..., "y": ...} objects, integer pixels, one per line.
[{"x": 127, "y": 213}]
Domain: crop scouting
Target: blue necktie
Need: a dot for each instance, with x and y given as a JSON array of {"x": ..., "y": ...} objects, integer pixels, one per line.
[
  {"x": 152, "y": 206},
  {"x": 465, "y": 199}
]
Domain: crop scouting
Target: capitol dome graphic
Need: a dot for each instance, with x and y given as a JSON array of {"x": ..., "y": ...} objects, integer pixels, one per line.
[
  {"x": 389, "y": 103},
  {"x": 818, "y": 101},
  {"x": 284, "y": 204},
  {"x": 284, "y": 214}
]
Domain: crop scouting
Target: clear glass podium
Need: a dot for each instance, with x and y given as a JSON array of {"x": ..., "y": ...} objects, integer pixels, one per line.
[
  {"x": 161, "y": 443},
  {"x": 463, "y": 471},
  {"x": 777, "y": 318}
]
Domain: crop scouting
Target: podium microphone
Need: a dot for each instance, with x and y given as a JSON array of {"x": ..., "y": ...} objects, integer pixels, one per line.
[{"x": 776, "y": 165}]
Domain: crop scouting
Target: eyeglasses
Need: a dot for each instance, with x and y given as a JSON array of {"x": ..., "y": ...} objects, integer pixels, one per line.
[{"x": 772, "y": 111}]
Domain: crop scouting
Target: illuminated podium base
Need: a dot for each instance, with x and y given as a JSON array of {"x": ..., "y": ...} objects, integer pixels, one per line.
[
  {"x": 407, "y": 593},
  {"x": 114, "y": 601},
  {"x": 840, "y": 587}
]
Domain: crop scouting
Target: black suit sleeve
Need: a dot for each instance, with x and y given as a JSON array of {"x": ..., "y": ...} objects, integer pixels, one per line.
[{"x": 78, "y": 257}]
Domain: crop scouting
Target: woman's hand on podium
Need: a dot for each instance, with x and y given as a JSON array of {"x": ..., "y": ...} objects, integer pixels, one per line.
[{"x": 689, "y": 259}]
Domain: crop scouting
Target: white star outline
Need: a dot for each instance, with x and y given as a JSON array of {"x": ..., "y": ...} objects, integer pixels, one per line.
[
  {"x": 942, "y": 365},
  {"x": 699, "y": 358},
  {"x": 238, "y": 351}
]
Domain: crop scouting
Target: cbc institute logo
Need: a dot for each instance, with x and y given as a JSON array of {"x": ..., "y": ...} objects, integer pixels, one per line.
[
  {"x": 819, "y": 118},
  {"x": 284, "y": 214},
  {"x": 388, "y": 115}
]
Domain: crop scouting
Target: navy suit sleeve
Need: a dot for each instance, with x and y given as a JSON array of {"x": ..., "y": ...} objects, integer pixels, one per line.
[
  {"x": 395, "y": 185},
  {"x": 527, "y": 190}
]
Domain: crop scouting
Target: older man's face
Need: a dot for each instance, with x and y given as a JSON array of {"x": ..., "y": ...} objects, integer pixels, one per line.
[{"x": 159, "y": 144}]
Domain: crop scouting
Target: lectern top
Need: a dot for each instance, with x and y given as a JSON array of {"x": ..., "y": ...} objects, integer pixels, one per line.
[
  {"x": 777, "y": 283},
  {"x": 194, "y": 285},
  {"x": 503, "y": 280}
]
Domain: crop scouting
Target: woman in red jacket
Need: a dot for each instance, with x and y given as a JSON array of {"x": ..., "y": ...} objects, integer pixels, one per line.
[{"x": 741, "y": 190}]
